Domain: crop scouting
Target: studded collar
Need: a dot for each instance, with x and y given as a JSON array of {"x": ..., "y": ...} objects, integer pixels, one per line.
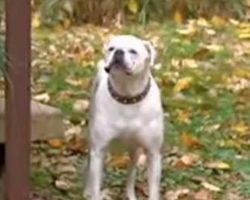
[{"x": 129, "y": 99}]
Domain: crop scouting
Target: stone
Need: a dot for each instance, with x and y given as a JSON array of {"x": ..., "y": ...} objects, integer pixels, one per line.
[{"x": 46, "y": 122}]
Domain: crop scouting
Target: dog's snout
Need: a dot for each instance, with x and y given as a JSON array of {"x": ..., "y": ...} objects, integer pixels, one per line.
[{"x": 118, "y": 56}]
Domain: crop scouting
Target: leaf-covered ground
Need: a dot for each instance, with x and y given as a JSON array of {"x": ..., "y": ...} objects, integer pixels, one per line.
[{"x": 203, "y": 70}]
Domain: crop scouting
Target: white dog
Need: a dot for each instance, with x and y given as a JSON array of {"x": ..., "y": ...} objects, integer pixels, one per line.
[{"x": 126, "y": 104}]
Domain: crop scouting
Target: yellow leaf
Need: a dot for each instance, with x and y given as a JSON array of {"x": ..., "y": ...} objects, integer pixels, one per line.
[
  {"x": 191, "y": 63},
  {"x": 133, "y": 6},
  {"x": 183, "y": 84},
  {"x": 202, "y": 22},
  {"x": 184, "y": 116},
  {"x": 203, "y": 194},
  {"x": 66, "y": 23},
  {"x": 218, "y": 165},
  {"x": 187, "y": 161},
  {"x": 241, "y": 128},
  {"x": 120, "y": 161},
  {"x": 210, "y": 187},
  {"x": 78, "y": 145},
  {"x": 56, "y": 143},
  {"x": 178, "y": 17},
  {"x": 188, "y": 31},
  {"x": 190, "y": 141},
  {"x": 218, "y": 21},
  {"x": 244, "y": 36},
  {"x": 36, "y": 22}
]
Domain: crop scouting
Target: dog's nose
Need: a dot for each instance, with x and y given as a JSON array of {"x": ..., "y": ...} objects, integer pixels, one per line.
[{"x": 118, "y": 56}]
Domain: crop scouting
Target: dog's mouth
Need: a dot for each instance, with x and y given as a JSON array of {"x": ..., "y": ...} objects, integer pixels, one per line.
[{"x": 119, "y": 66}]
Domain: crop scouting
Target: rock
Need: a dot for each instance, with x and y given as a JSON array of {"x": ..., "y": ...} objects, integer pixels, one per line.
[{"x": 46, "y": 122}]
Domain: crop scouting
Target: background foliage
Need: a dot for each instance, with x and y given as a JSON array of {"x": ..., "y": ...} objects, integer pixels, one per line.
[{"x": 52, "y": 12}]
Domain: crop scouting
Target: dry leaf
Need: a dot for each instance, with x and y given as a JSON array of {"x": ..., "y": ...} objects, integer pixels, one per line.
[
  {"x": 202, "y": 54},
  {"x": 191, "y": 63},
  {"x": 241, "y": 128},
  {"x": 203, "y": 22},
  {"x": 218, "y": 21},
  {"x": 142, "y": 159},
  {"x": 78, "y": 145},
  {"x": 218, "y": 165},
  {"x": 178, "y": 17},
  {"x": 63, "y": 184},
  {"x": 210, "y": 187},
  {"x": 184, "y": 116},
  {"x": 214, "y": 47},
  {"x": 183, "y": 84},
  {"x": 36, "y": 20},
  {"x": 56, "y": 143},
  {"x": 187, "y": 161},
  {"x": 44, "y": 97},
  {"x": 133, "y": 6},
  {"x": 203, "y": 195},
  {"x": 178, "y": 194},
  {"x": 190, "y": 141},
  {"x": 188, "y": 31},
  {"x": 81, "y": 105},
  {"x": 120, "y": 161}
]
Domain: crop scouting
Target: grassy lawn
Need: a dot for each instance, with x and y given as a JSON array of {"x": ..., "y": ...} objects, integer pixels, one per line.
[{"x": 204, "y": 73}]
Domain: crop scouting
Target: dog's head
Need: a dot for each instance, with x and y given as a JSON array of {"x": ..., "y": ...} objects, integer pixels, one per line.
[{"x": 129, "y": 55}]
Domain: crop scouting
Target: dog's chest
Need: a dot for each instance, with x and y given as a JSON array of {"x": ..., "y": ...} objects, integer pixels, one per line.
[
  {"x": 128, "y": 120},
  {"x": 122, "y": 119}
]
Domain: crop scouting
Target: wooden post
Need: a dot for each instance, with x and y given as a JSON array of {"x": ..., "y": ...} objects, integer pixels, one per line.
[{"x": 18, "y": 49}]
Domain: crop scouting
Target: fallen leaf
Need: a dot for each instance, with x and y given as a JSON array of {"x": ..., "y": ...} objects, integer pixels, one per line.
[
  {"x": 120, "y": 161},
  {"x": 203, "y": 22},
  {"x": 178, "y": 194},
  {"x": 203, "y": 195},
  {"x": 188, "y": 62},
  {"x": 142, "y": 159},
  {"x": 178, "y": 17},
  {"x": 202, "y": 54},
  {"x": 187, "y": 161},
  {"x": 214, "y": 47},
  {"x": 218, "y": 165},
  {"x": 78, "y": 145},
  {"x": 184, "y": 116},
  {"x": 44, "y": 97},
  {"x": 210, "y": 187},
  {"x": 190, "y": 141},
  {"x": 63, "y": 185},
  {"x": 188, "y": 31},
  {"x": 218, "y": 21},
  {"x": 36, "y": 20},
  {"x": 56, "y": 143},
  {"x": 241, "y": 128},
  {"x": 68, "y": 169},
  {"x": 183, "y": 84},
  {"x": 210, "y": 31},
  {"x": 133, "y": 6},
  {"x": 72, "y": 132},
  {"x": 81, "y": 105}
]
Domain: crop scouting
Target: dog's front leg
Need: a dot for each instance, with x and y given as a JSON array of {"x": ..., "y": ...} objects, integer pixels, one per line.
[
  {"x": 154, "y": 174},
  {"x": 94, "y": 179},
  {"x": 132, "y": 175}
]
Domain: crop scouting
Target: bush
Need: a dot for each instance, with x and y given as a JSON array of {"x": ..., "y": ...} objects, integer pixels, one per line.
[{"x": 101, "y": 12}]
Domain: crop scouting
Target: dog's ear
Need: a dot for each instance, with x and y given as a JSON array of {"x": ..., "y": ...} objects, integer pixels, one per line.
[{"x": 152, "y": 53}]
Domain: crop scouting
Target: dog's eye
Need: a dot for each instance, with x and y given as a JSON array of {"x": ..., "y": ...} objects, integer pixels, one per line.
[
  {"x": 111, "y": 49},
  {"x": 132, "y": 51}
]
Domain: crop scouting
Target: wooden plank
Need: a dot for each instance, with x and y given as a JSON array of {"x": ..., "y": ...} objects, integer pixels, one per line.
[{"x": 18, "y": 33}]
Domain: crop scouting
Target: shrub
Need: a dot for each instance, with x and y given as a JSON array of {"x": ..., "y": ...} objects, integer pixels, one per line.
[{"x": 109, "y": 11}]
